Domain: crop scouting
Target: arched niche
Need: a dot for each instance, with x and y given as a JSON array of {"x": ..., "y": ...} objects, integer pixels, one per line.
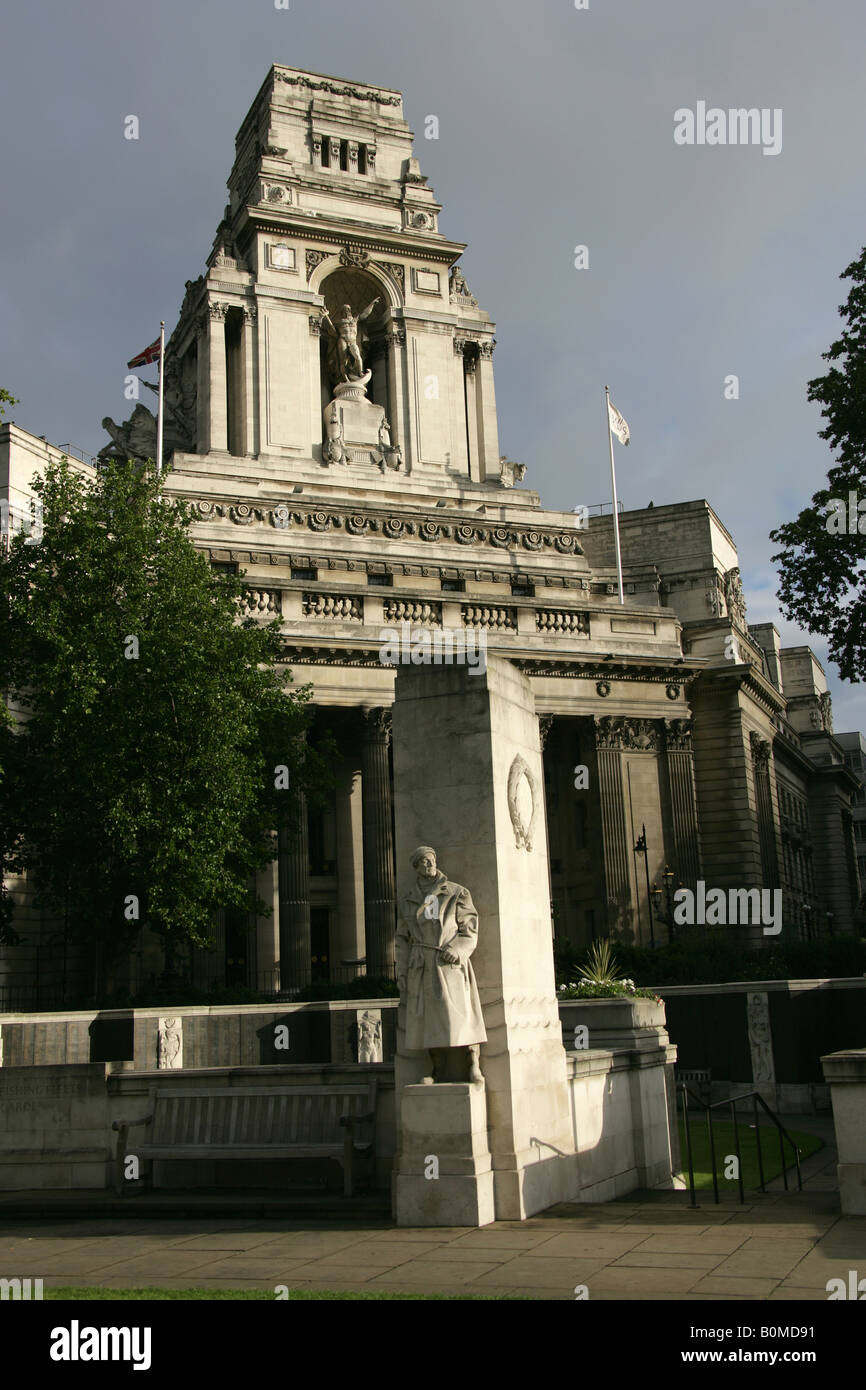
[{"x": 358, "y": 287}]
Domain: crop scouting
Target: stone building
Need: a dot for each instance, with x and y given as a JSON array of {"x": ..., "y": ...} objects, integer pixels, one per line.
[{"x": 331, "y": 413}]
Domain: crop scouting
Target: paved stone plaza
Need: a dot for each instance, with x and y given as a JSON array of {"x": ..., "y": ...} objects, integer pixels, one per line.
[{"x": 648, "y": 1246}]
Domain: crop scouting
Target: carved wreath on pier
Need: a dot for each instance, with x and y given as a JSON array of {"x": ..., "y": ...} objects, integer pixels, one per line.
[{"x": 524, "y": 831}]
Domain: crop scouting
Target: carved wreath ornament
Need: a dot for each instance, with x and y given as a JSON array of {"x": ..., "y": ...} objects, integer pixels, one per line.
[{"x": 520, "y": 781}]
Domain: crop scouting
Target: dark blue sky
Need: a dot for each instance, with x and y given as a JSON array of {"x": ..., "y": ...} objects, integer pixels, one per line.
[{"x": 556, "y": 129}]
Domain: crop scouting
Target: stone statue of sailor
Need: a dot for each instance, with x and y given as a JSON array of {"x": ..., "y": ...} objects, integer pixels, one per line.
[{"x": 436, "y": 934}]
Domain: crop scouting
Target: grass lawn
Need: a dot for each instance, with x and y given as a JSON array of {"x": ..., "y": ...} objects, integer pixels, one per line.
[
  {"x": 88, "y": 1294},
  {"x": 723, "y": 1135}
]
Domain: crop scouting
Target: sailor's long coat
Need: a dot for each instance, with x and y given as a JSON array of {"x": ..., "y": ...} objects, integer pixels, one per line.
[{"x": 441, "y": 1003}]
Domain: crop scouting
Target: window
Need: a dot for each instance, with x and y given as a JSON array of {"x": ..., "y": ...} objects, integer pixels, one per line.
[
  {"x": 453, "y": 586},
  {"x": 385, "y": 581},
  {"x": 305, "y": 574},
  {"x": 523, "y": 590},
  {"x": 223, "y": 567}
]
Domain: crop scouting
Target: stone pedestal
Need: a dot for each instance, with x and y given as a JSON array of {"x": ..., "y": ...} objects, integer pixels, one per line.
[
  {"x": 353, "y": 423},
  {"x": 846, "y": 1073},
  {"x": 444, "y": 1175},
  {"x": 468, "y": 780}
]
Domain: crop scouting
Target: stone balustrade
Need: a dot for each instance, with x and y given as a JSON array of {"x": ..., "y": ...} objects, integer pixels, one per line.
[
  {"x": 495, "y": 618},
  {"x": 263, "y": 603},
  {"x": 343, "y": 608},
  {"x": 561, "y": 620},
  {"x": 416, "y": 611}
]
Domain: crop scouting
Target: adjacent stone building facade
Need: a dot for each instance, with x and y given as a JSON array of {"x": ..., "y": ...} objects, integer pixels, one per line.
[{"x": 680, "y": 743}]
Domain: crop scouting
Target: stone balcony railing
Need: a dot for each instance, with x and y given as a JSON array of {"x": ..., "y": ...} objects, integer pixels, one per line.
[
  {"x": 418, "y": 611},
  {"x": 562, "y": 620},
  {"x": 263, "y": 603},
  {"x": 344, "y": 608},
  {"x": 488, "y": 616}
]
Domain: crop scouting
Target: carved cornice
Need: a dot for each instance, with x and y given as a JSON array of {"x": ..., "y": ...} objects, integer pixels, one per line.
[
  {"x": 590, "y": 668},
  {"x": 433, "y": 531}
]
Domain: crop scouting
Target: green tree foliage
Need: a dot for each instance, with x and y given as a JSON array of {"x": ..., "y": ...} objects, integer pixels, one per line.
[
  {"x": 823, "y": 579},
  {"x": 149, "y": 721}
]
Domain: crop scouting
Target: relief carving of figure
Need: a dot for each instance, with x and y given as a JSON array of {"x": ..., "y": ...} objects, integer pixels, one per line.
[
  {"x": 370, "y": 1036},
  {"x": 436, "y": 935}
]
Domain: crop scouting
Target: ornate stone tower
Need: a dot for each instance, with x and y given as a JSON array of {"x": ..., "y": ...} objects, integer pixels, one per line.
[{"x": 331, "y": 329}]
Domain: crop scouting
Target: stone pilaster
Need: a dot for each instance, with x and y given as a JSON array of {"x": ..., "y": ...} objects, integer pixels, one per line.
[
  {"x": 608, "y": 742},
  {"x": 685, "y": 854},
  {"x": 250, "y": 373},
  {"x": 488, "y": 428},
  {"x": 761, "y": 753},
  {"x": 379, "y": 904},
  {"x": 398, "y": 393}
]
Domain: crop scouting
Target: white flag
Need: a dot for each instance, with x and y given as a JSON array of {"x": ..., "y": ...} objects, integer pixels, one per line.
[{"x": 617, "y": 423}]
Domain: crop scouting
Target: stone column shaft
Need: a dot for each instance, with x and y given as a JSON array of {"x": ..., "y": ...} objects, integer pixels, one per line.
[
  {"x": 250, "y": 382},
  {"x": 294, "y": 884},
  {"x": 613, "y": 829},
  {"x": 379, "y": 900},
  {"x": 218, "y": 423}
]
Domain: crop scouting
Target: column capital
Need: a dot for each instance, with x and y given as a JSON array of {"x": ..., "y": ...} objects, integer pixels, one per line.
[
  {"x": 760, "y": 749},
  {"x": 678, "y": 735},
  {"x": 377, "y": 723}
]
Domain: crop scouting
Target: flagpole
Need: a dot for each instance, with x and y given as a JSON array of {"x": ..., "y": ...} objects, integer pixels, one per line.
[
  {"x": 159, "y": 408},
  {"x": 615, "y": 503}
]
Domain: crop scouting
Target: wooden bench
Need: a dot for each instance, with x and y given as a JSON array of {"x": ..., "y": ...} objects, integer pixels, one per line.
[{"x": 255, "y": 1122}]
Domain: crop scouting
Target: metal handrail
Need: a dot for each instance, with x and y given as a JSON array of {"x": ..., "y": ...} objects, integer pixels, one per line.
[{"x": 732, "y": 1101}]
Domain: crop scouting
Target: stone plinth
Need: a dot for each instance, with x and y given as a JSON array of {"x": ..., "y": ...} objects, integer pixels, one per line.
[
  {"x": 54, "y": 1127},
  {"x": 444, "y": 1175},
  {"x": 468, "y": 781},
  {"x": 846, "y": 1073}
]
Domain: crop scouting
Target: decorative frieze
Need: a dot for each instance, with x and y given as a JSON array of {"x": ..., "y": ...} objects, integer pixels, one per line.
[
  {"x": 358, "y": 524},
  {"x": 495, "y": 619},
  {"x": 561, "y": 620},
  {"x": 344, "y": 608},
  {"x": 627, "y": 735}
]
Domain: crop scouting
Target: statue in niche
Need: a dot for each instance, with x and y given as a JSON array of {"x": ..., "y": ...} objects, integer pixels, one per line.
[
  {"x": 344, "y": 349},
  {"x": 436, "y": 935}
]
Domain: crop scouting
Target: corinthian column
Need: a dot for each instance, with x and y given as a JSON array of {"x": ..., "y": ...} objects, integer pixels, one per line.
[
  {"x": 218, "y": 405},
  {"x": 378, "y": 839}
]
